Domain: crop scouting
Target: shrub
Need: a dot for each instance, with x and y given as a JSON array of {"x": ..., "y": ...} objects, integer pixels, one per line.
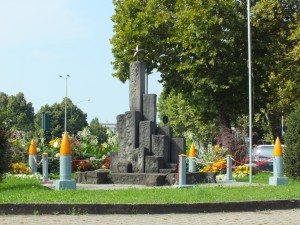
[
  {"x": 217, "y": 167},
  {"x": 4, "y": 149},
  {"x": 292, "y": 148},
  {"x": 19, "y": 168},
  {"x": 19, "y": 146}
]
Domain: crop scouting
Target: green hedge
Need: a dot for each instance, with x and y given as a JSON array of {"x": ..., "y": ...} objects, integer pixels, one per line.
[{"x": 292, "y": 149}]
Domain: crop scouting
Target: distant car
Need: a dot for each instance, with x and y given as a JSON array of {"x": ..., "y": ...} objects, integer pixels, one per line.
[{"x": 262, "y": 156}]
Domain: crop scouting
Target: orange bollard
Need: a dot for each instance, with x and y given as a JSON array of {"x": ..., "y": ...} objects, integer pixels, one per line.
[
  {"x": 65, "y": 171},
  {"x": 278, "y": 178},
  {"x": 192, "y": 159},
  {"x": 32, "y": 156}
]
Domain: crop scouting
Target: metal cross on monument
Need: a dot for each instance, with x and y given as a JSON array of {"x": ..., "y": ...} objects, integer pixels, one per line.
[
  {"x": 136, "y": 54},
  {"x": 137, "y": 51}
]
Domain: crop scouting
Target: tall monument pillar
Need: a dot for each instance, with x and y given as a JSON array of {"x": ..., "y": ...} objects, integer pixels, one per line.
[{"x": 136, "y": 86}]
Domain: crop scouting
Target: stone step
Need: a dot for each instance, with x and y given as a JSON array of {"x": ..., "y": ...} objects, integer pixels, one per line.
[
  {"x": 173, "y": 166},
  {"x": 93, "y": 177},
  {"x": 149, "y": 179},
  {"x": 166, "y": 171}
]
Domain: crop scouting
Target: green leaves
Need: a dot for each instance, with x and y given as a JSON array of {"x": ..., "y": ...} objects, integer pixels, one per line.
[
  {"x": 200, "y": 49},
  {"x": 76, "y": 118},
  {"x": 18, "y": 112}
]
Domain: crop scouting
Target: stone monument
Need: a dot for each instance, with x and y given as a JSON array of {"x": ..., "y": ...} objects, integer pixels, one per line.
[{"x": 147, "y": 154}]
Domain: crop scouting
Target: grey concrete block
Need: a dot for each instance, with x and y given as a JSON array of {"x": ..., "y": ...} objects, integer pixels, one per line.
[
  {"x": 80, "y": 177},
  {"x": 178, "y": 147},
  {"x": 133, "y": 119},
  {"x": 171, "y": 179},
  {"x": 166, "y": 171},
  {"x": 153, "y": 164},
  {"x": 149, "y": 107},
  {"x": 124, "y": 166},
  {"x": 97, "y": 177},
  {"x": 166, "y": 130},
  {"x": 161, "y": 147},
  {"x": 114, "y": 162},
  {"x": 128, "y": 132},
  {"x": 138, "y": 160},
  {"x": 136, "y": 86},
  {"x": 172, "y": 166},
  {"x": 139, "y": 179},
  {"x": 146, "y": 130},
  {"x": 121, "y": 131},
  {"x": 199, "y": 177},
  {"x": 169, "y": 168}
]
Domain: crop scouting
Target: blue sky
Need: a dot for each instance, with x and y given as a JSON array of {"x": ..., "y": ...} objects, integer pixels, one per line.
[{"x": 42, "y": 39}]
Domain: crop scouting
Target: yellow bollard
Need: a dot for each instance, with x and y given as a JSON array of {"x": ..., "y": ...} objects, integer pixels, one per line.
[
  {"x": 32, "y": 156},
  {"x": 192, "y": 159},
  {"x": 65, "y": 170},
  {"x": 278, "y": 178}
]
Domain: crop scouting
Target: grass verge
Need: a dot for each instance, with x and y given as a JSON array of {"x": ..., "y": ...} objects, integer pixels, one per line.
[{"x": 16, "y": 190}]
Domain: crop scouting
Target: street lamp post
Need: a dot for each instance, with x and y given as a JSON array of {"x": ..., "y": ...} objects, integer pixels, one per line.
[{"x": 66, "y": 77}]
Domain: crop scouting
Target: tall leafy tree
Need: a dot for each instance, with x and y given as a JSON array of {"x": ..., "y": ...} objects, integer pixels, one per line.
[
  {"x": 76, "y": 118},
  {"x": 195, "y": 49},
  {"x": 18, "y": 112},
  {"x": 98, "y": 130},
  {"x": 145, "y": 23},
  {"x": 200, "y": 49},
  {"x": 184, "y": 119},
  {"x": 276, "y": 24}
]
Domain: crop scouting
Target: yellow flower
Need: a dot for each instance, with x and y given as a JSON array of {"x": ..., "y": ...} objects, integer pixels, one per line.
[{"x": 19, "y": 168}]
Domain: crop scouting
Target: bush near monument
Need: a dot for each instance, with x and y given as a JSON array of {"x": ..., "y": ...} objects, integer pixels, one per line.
[
  {"x": 19, "y": 168},
  {"x": 4, "y": 149},
  {"x": 87, "y": 153},
  {"x": 292, "y": 149}
]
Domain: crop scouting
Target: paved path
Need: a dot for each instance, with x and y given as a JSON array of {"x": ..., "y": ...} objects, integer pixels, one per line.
[
  {"x": 51, "y": 185},
  {"x": 283, "y": 217}
]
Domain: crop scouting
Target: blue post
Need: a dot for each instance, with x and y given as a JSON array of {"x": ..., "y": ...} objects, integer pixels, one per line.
[{"x": 182, "y": 170}]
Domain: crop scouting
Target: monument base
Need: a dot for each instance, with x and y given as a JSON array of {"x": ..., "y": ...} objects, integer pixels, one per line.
[
  {"x": 65, "y": 184},
  {"x": 160, "y": 179},
  {"x": 278, "y": 181},
  {"x": 183, "y": 186},
  {"x": 148, "y": 179}
]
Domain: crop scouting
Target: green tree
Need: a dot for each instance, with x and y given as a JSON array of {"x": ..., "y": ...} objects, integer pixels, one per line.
[
  {"x": 184, "y": 119},
  {"x": 5, "y": 154},
  {"x": 275, "y": 28},
  {"x": 197, "y": 54},
  {"x": 145, "y": 23},
  {"x": 292, "y": 149},
  {"x": 98, "y": 130},
  {"x": 200, "y": 49},
  {"x": 76, "y": 118},
  {"x": 18, "y": 112}
]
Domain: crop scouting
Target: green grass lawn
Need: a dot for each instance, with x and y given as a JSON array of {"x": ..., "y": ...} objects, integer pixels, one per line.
[{"x": 16, "y": 190}]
